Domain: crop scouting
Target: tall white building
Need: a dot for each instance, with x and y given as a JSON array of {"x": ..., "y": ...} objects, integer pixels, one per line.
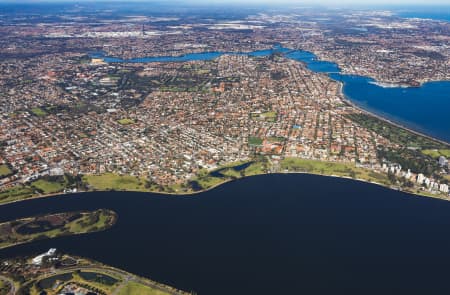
[{"x": 420, "y": 178}]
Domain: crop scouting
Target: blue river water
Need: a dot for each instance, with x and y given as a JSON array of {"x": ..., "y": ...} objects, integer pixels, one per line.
[
  {"x": 266, "y": 235},
  {"x": 425, "y": 109}
]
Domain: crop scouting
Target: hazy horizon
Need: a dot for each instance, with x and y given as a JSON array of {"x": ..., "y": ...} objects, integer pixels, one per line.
[{"x": 255, "y": 2}]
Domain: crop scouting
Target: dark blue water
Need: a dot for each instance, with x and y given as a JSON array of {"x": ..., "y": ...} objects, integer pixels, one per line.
[
  {"x": 424, "y": 109},
  {"x": 313, "y": 63},
  {"x": 182, "y": 58},
  {"x": 273, "y": 234},
  {"x": 441, "y": 12},
  {"x": 189, "y": 57}
]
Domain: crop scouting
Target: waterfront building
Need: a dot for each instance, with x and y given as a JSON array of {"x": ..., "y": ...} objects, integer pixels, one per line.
[
  {"x": 38, "y": 259},
  {"x": 420, "y": 178}
]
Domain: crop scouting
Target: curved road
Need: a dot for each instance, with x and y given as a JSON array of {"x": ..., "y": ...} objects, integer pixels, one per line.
[
  {"x": 126, "y": 277},
  {"x": 12, "y": 289}
]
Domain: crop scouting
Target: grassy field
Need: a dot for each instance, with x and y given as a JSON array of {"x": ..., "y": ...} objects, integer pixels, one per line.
[
  {"x": 255, "y": 141},
  {"x": 256, "y": 168},
  {"x": 230, "y": 172},
  {"x": 4, "y": 170},
  {"x": 134, "y": 288},
  {"x": 15, "y": 193},
  {"x": 39, "y": 112},
  {"x": 48, "y": 187},
  {"x": 206, "y": 181},
  {"x": 110, "y": 181},
  {"x": 332, "y": 168},
  {"x": 269, "y": 116},
  {"x": 435, "y": 153},
  {"x": 126, "y": 121}
]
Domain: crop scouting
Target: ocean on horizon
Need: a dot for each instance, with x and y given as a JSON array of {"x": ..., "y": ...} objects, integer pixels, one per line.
[{"x": 441, "y": 13}]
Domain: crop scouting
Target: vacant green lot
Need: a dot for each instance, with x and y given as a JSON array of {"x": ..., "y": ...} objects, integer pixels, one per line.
[
  {"x": 48, "y": 187},
  {"x": 269, "y": 116},
  {"x": 39, "y": 112},
  {"x": 4, "y": 170},
  {"x": 332, "y": 168},
  {"x": 126, "y": 121},
  {"x": 134, "y": 288},
  {"x": 437, "y": 153},
  {"x": 110, "y": 181},
  {"x": 255, "y": 141}
]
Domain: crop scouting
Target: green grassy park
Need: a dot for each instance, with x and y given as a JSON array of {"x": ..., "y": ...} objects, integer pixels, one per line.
[
  {"x": 255, "y": 141},
  {"x": 47, "y": 186},
  {"x": 436, "y": 153},
  {"x": 269, "y": 116},
  {"x": 135, "y": 288},
  {"x": 126, "y": 121},
  {"x": 111, "y": 181},
  {"x": 39, "y": 112},
  {"x": 332, "y": 168},
  {"x": 16, "y": 193},
  {"x": 5, "y": 170}
]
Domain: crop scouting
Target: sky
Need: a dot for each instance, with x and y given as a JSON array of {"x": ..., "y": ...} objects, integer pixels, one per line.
[{"x": 319, "y": 2}]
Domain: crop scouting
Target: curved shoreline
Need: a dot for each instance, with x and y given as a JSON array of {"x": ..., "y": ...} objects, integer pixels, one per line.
[
  {"x": 384, "y": 118},
  {"x": 195, "y": 193}
]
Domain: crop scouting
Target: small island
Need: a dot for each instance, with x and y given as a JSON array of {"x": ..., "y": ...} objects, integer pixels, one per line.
[
  {"x": 49, "y": 226},
  {"x": 60, "y": 273}
]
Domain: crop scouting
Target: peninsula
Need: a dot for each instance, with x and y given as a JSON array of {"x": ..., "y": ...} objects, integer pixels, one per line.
[{"x": 30, "y": 229}]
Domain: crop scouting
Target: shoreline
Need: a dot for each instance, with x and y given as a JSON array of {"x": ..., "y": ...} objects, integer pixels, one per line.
[
  {"x": 385, "y": 119},
  {"x": 194, "y": 193}
]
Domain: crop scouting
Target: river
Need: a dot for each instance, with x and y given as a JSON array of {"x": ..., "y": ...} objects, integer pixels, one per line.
[{"x": 272, "y": 234}]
